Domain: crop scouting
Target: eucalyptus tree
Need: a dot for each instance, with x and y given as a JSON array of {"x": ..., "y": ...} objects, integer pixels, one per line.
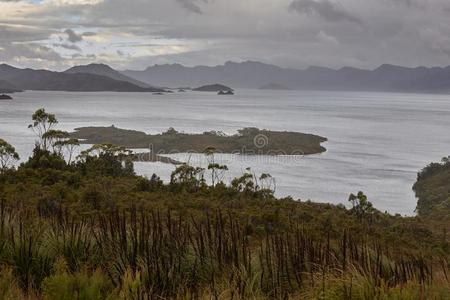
[
  {"x": 43, "y": 122},
  {"x": 69, "y": 145},
  {"x": 55, "y": 139},
  {"x": 267, "y": 182},
  {"x": 8, "y": 155},
  {"x": 217, "y": 170},
  {"x": 362, "y": 208}
]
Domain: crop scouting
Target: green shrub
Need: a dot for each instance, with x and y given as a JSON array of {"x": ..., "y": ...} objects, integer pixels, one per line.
[{"x": 78, "y": 286}]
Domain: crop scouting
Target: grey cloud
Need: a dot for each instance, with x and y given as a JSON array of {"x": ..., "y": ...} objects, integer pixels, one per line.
[
  {"x": 89, "y": 34},
  {"x": 72, "y": 36},
  {"x": 22, "y": 34},
  {"x": 413, "y": 4},
  {"x": 68, "y": 47},
  {"x": 404, "y": 2},
  {"x": 191, "y": 5},
  {"x": 330, "y": 11},
  {"x": 28, "y": 51},
  {"x": 239, "y": 30},
  {"x": 87, "y": 56}
]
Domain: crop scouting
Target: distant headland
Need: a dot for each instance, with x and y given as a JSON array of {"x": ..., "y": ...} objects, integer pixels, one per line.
[{"x": 5, "y": 97}]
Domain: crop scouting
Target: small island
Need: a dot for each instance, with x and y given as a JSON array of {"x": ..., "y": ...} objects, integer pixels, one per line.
[
  {"x": 5, "y": 97},
  {"x": 214, "y": 88},
  {"x": 247, "y": 141}
]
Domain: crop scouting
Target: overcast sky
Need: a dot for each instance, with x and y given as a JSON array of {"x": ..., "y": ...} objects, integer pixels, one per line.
[{"x": 56, "y": 34}]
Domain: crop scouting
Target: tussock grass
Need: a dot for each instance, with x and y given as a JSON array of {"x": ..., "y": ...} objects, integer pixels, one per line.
[{"x": 131, "y": 254}]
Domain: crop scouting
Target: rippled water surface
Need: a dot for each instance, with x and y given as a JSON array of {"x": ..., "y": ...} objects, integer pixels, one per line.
[{"x": 377, "y": 141}]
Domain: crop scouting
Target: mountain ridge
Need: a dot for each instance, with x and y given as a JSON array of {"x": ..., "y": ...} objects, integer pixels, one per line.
[
  {"x": 252, "y": 74},
  {"x": 248, "y": 74},
  {"x": 45, "y": 80}
]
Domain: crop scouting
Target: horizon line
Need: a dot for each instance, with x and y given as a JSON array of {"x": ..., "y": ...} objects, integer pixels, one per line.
[{"x": 233, "y": 62}]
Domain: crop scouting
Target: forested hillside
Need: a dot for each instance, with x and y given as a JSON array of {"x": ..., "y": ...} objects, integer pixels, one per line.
[{"x": 433, "y": 190}]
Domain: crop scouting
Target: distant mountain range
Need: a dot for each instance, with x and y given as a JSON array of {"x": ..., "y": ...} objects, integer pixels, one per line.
[
  {"x": 92, "y": 79},
  {"x": 250, "y": 74},
  {"x": 107, "y": 71}
]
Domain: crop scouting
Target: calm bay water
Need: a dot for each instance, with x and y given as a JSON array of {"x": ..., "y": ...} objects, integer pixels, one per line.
[{"x": 377, "y": 141}]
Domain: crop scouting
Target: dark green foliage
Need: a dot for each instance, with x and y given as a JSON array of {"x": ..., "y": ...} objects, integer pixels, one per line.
[
  {"x": 361, "y": 207},
  {"x": 433, "y": 190},
  {"x": 44, "y": 159},
  {"x": 188, "y": 178},
  {"x": 433, "y": 168},
  {"x": 8, "y": 155},
  {"x": 149, "y": 185},
  {"x": 104, "y": 165}
]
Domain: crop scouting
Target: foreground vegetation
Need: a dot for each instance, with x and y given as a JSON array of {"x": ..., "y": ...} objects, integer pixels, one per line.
[{"x": 89, "y": 228}]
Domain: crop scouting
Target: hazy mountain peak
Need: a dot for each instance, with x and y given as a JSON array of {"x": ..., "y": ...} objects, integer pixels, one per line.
[
  {"x": 104, "y": 70},
  {"x": 7, "y": 67},
  {"x": 390, "y": 67},
  {"x": 92, "y": 66},
  {"x": 100, "y": 65}
]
